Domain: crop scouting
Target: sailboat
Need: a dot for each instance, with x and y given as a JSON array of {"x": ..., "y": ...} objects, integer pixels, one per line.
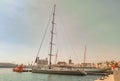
[
  {"x": 91, "y": 69},
  {"x": 50, "y": 69}
]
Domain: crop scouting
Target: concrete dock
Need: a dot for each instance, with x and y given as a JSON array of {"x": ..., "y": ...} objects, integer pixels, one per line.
[{"x": 113, "y": 77}]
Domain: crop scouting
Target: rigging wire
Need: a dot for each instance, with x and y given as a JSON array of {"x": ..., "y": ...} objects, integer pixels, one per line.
[
  {"x": 62, "y": 34},
  {"x": 44, "y": 35},
  {"x": 52, "y": 2},
  {"x": 68, "y": 38},
  {"x": 56, "y": 43}
]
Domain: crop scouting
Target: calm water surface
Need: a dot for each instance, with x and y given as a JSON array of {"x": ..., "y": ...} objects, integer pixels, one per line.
[{"x": 8, "y": 75}]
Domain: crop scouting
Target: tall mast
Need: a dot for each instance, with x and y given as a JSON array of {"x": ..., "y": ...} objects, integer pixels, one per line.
[
  {"x": 56, "y": 57},
  {"x": 85, "y": 55},
  {"x": 51, "y": 42}
]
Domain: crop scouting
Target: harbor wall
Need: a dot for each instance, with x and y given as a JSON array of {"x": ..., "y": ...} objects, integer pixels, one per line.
[{"x": 116, "y": 75}]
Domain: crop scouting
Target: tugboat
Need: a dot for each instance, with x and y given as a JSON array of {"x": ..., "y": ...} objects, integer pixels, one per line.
[
  {"x": 19, "y": 68},
  {"x": 50, "y": 69}
]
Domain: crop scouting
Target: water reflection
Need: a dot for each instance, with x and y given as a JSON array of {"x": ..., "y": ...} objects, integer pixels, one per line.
[
  {"x": 70, "y": 78},
  {"x": 8, "y": 75}
]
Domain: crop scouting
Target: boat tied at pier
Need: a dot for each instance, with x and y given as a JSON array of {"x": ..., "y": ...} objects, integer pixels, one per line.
[{"x": 51, "y": 69}]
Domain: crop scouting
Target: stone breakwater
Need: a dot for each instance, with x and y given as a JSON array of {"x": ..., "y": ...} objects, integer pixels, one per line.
[{"x": 113, "y": 77}]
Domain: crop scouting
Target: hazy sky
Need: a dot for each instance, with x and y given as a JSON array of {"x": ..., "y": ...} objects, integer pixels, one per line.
[{"x": 95, "y": 23}]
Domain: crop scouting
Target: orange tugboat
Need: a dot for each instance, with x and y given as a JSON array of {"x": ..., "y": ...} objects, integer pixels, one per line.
[{"x": 19, "y": 68}]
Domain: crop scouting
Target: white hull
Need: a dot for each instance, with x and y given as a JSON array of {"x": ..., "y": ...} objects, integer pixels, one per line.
[{"x": 60, "y": 72}]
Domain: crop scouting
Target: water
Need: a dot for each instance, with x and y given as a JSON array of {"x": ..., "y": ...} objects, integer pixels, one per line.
[{"x": 8, "y": 75}]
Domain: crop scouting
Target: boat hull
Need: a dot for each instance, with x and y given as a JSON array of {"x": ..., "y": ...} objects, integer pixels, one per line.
[
  {"x": 59, "y": 72},
  {"x": 95, "y": 70}
]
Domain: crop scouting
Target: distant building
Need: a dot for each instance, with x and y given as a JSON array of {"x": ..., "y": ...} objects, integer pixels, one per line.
[
  {"x": 61, "y": 63},
  {"x": 87, "y": 64},
  {"x": 70, "y": 61},
  {"x": 42, "y": 61},
  {"x": 119, "y": 64}
]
